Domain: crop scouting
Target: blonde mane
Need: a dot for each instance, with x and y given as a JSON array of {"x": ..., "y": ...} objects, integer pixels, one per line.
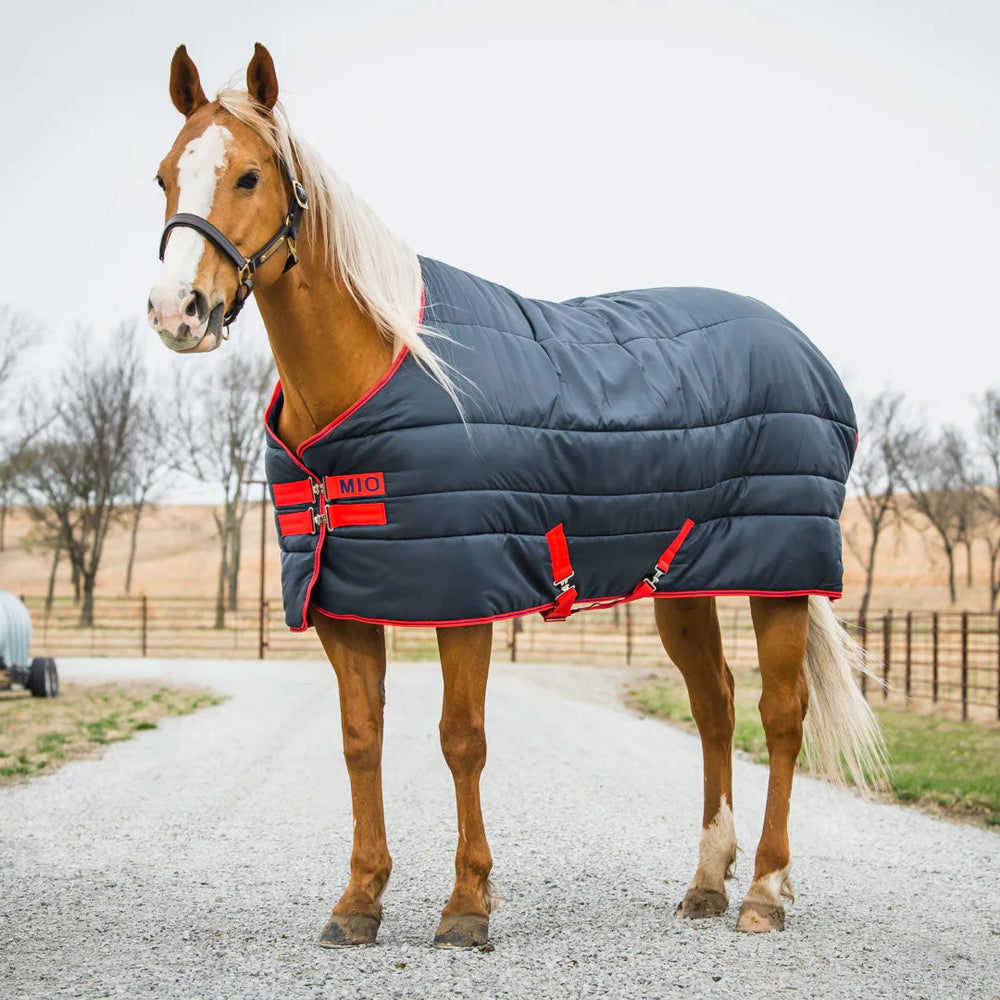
[{"x": 381, "y": 272}]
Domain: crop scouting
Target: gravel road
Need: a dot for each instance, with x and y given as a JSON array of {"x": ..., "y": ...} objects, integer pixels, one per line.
[{"x": 202, "y": 859}]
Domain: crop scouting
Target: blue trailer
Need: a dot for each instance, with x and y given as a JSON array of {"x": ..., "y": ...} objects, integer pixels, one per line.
[{"x": 39, "y": 675}]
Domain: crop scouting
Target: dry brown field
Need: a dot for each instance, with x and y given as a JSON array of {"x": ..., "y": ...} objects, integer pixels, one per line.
[{"x": 178, "y": 557}]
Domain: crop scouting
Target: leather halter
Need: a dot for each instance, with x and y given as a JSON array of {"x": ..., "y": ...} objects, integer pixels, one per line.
[{"x": 246, "y": 266}]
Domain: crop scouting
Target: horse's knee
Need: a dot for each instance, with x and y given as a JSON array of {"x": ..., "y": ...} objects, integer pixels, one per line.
[
  {"x": 464, "y": 745},
  {"x": 362, "y": 746},
  {"x": 782, "y": 718}
]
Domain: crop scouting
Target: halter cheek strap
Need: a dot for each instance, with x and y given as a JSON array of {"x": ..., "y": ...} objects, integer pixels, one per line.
[{"x": 246, "y": 266}]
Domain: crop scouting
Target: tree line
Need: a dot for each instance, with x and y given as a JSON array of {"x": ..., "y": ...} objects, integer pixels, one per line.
[
  {"x": 939, "y": 479},
  {"x": 88, "y": 448}
]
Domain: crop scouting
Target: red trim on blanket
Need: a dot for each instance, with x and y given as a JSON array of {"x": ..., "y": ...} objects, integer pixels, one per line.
[
  {"x": 834, "y": 595},
  {"x": 296, "y": 458},
  {"x": 356, "y": 405}
]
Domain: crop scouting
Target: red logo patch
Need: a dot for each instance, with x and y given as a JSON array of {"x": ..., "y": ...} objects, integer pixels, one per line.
[{"x": 363, "y": 484}]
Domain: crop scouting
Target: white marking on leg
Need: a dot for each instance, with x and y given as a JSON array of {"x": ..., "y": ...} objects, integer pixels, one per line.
[
  {"x": 717, "y": 852},
  {"x": 769, "y": 889}
]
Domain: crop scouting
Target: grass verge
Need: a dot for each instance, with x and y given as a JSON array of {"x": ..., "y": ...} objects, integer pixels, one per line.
[
  {"x": 38, "y": 735},
  {"x": 939, "y": 764}
]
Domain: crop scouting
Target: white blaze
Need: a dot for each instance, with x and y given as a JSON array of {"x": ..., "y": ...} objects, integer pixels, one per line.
[{"x": 197, "y": 173}]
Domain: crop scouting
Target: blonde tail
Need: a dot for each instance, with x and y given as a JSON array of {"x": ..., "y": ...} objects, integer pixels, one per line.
[{"x": 839, "y": 725}]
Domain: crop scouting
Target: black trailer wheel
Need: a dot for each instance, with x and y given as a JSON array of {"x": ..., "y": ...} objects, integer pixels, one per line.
[{"x": 43, "y": 681}]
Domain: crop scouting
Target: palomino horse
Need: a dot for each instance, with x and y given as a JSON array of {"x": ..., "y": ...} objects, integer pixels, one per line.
[{"x": 337, "y": 322}]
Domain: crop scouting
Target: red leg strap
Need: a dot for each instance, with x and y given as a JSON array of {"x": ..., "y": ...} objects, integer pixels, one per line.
[
  {"x": 562, "y": 573},
  {"x": 663, "y": 563},
  {"x": 562, "y": 568}
]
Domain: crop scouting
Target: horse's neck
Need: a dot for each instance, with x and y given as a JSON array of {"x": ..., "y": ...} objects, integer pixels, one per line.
[{"x": 327, "y": 351}]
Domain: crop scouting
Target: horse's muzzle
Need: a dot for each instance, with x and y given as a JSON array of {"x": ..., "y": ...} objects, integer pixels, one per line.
[{"x": 184, "y": 321}]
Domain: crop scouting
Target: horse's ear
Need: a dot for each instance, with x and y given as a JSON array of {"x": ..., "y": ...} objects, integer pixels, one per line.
[
  {"x": 185, "y": 87},
  {"x": 262, "y": 84}
]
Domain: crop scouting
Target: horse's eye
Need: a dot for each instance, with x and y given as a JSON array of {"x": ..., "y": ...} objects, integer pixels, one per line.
[
  {"x": 159, "y": 180},
  {"x": 248, "y": 181}
]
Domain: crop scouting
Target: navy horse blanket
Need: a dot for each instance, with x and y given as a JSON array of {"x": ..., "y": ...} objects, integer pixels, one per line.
[{"x": 666, "y": 442}]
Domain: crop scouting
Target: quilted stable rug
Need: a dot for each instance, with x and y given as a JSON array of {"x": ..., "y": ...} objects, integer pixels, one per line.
[{"x": 664, "y": 442}]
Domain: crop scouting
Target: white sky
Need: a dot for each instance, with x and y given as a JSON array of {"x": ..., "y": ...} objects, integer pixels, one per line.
[{"x": 838, "y": 160}]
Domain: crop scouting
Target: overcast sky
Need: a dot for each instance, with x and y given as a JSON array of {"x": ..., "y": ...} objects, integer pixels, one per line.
[{"x": 838, "y": 160}]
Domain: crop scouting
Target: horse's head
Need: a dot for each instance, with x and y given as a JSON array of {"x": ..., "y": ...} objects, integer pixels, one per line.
[{"x": 230, "y": 206}]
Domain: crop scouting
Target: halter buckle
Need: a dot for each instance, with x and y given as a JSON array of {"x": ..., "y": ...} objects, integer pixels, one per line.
[{"x": 299, "y": 194}]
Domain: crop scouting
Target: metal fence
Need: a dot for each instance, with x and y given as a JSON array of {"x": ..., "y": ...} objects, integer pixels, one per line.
[{"x": 947, "y": 659}]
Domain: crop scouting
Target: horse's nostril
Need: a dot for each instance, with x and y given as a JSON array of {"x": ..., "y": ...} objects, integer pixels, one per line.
[
  {"x": 192, "y": 307},
  {"x": 149, "y": 305},
  {"x": 200, "y": 304}
]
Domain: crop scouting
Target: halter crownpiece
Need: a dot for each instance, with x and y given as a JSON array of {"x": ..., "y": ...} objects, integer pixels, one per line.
[{"x": 247, "y": 266}]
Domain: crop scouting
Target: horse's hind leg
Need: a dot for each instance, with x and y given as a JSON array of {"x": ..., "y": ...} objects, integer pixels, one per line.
[
  {"x": 689, "y": 630},
  {"x": 781, "y": 625},
  {"x": 357, "y": 652},
  {"x": 465, "y": 664}
]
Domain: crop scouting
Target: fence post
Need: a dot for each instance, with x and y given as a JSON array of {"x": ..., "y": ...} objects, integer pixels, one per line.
[
  {"x": 909, "y": 643},
  {"x": 934, "y": 661},
  {"x": 863, "y": 629},
  {"x": 628, "y": 634},
  {"x": 261, "y": 615},
  {"x": 965, "y": 666},
  {"x": 886, "y": 652},
  {"x": 145, "y": 625}
]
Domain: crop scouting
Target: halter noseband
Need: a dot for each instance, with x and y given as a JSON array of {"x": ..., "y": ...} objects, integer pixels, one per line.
[{"x": 246, "y": 266}]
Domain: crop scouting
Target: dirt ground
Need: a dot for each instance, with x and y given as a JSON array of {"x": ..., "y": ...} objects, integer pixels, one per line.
[{"x": 177, "y": 556}]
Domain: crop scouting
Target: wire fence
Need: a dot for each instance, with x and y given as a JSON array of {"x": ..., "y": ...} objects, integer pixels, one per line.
[{"x": 948, "y": 659}]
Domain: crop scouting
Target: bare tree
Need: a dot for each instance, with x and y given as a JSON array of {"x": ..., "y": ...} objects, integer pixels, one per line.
[
  {"x": 151, "y": 464},
  {"x": 876, "y": 475},
  {"x": 988, "y": 433},
  {"x": 17, "y": 330},
  {"x": 935, "y": 473},
  {"x": 77, "y": 476},
  {"x": 224, "y": 441},
  {"x": 17, "y": 333}
]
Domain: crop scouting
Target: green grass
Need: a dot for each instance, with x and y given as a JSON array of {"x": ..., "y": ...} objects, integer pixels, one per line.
[
  {"x": 38, "y": 735},
  {"x": 937, "y": 763}
]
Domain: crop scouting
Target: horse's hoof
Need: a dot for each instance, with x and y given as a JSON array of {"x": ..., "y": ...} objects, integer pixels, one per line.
[
  {"x": 759, "y": 918},
  {"x": 346, "y": 930},
  {"x": 700, "y": 903},
  {"x": 467, "y": 930}
]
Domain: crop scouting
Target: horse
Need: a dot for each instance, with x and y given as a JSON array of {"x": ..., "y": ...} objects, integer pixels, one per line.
[{"x": 342, "y": 300}]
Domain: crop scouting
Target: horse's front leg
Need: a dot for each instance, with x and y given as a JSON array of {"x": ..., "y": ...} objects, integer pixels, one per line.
[
  {"x": 357, "y": 652},
  {"x": 465, "y": 663}
]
